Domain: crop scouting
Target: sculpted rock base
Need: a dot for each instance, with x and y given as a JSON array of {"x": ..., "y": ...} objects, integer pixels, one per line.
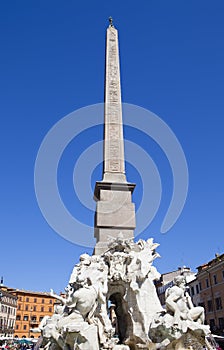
[
  {"x": 83, "y": 338},
  {"x": 190, "y": 341}
]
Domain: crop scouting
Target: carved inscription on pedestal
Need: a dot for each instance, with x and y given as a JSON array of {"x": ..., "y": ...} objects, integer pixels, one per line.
[{"x": 114, "y": 165}]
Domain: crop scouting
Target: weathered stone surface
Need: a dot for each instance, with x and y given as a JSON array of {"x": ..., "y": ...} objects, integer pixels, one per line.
[
  {"x": 124, "y": 276},
  {"x": 113, "y": 142},
  {"x": 115, "y": 210},
  {"x": 106, "y": 235}
]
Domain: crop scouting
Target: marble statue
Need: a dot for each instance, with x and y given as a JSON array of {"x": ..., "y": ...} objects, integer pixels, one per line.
[
  {"x": 179, "y": 303},
  {"x": 180, "y": 319},
  {"x": 122, "y": 276}
]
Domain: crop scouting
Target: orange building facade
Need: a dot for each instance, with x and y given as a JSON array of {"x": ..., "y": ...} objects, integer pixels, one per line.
[{"x": 31, "y": 308}]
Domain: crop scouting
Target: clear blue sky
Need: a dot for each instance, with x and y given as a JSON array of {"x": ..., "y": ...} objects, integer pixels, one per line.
[{"x": 52, "y": 63}]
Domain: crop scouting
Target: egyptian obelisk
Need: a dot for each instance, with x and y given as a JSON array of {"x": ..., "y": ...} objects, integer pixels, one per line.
[{"x": 115, "y": 212}]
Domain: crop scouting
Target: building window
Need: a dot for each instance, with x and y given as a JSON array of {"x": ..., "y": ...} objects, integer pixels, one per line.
[
  {"x": 25, "y": 318},
  {"x": 215, "y": 279},
  {"x": 42, "y": 309},
  {"x": 218, "y": 303},
  {"x": 192, "y": 291},
  {"x": 212, "y": 324},
  {"x": 41, "y": 318},
  {"x": 27, "y": 300},
  {"x": 42, "y": 301},
  {"x": 207, "y": 283},
  {"x": 50, "y": 309},
  {"x": 35, "y": 300},
  {"x": 24, "y": 327},
  {"x": 221, "y": 323},
  {"x": 18, "y": 317},
  {"x": 34, "y": 308},
  {"x": 19, "y": 307},
  {"x": 197, "y": 289},
  {"x": 210, "y": 306},
  {"x": 51, "y": 302},
  {"x": 200, "y": 288}
]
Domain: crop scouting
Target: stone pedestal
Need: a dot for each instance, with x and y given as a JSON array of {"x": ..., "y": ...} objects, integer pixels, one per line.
[{"x": 115, "y": 213}]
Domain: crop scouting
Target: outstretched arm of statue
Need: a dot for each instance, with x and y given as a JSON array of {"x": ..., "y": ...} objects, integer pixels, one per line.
[
  {"x": 41, "y": 325},
  {"x": 189, "y": 301},
  {"x": 63, "y": 300},
  {"x": 35, "y": 330}
]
